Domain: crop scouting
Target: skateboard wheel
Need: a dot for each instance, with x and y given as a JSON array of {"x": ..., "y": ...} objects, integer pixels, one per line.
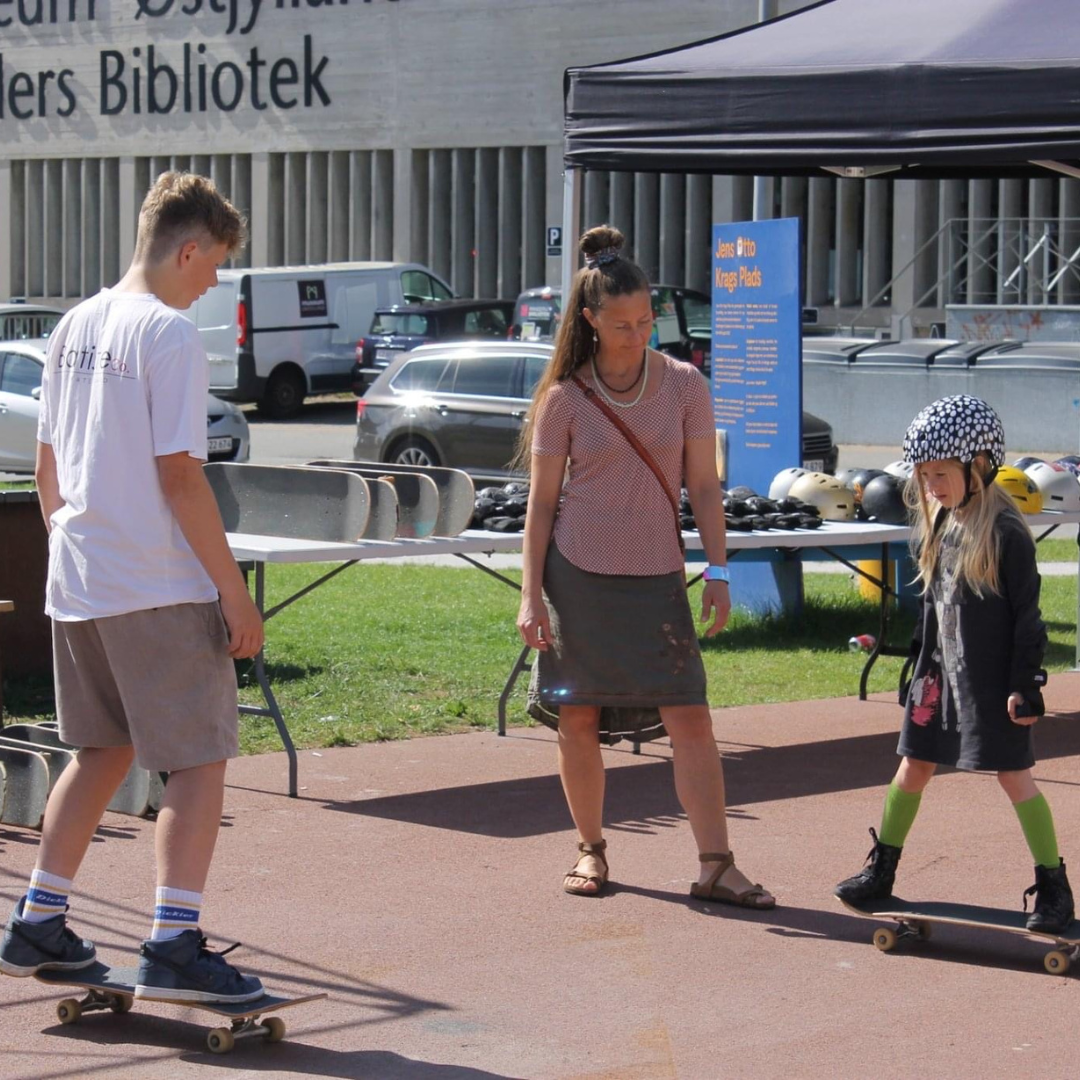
[
  {"x": 68, "y": 1011},
  {"x": 1056, "y": 962},
  {"x": 121, "y": 1004},
  {"x": 884, "y": 938},
  {"x": 220, "y": 1041},
  {"x": 275, "y": 1028}
]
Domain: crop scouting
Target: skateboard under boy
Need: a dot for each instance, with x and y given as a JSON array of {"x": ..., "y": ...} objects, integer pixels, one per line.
[
  {"x": 113, "y": 988},
  {"x": 914, "y": 919}
]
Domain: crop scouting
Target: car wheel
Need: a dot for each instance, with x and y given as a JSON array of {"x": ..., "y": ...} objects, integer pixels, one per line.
[
  {"x": 413, "y": 451},
  {"x": 284, "y": 395}
]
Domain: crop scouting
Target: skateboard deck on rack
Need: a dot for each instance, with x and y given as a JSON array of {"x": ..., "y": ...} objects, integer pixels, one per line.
[
  {"x": 457, "y": 493},
  {"x": 914, "y": 918},
  {"x": 26, "y": 787},
  {"x": 291, "y": 501},
  {"x": 114, "y": 989},
  {"x": 56, "y": 758},
  {"x": 417, "y": 496}
]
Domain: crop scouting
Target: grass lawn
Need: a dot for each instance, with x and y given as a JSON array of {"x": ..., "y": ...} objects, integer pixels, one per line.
[{"x": 386, "y": 652}]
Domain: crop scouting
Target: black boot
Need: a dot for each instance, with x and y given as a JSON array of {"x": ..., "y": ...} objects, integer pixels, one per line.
[
  {"x": 1053, "y": 900},
  {"x": 874, "y": 881}
]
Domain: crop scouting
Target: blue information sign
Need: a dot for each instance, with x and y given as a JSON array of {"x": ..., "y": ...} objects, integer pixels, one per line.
[{"x": 757, "y": 350}]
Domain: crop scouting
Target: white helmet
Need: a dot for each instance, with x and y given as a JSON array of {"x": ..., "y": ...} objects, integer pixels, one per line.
[
  {"x": 904, "y": 470},
  {"x": 1059, "y": 488},
  {"x": 834, "y": 500},
  {"x": 782, "y": 481}
]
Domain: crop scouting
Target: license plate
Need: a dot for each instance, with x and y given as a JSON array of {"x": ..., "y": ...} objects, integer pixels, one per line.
[
  {"x": 220, "y": 445},
  {"x": 385, "y": 355},
  {"x": 814, "y": 465}
]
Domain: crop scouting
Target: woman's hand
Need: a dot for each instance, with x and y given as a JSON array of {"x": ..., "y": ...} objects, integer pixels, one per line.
[
  {"x": 534, "y": 624},
  {"x": 1015, "y": 701},
  {"x": 715, "y": 597}
]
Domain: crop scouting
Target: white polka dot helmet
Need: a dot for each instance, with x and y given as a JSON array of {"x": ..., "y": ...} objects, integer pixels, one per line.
[{"x": 959, "y": 426}]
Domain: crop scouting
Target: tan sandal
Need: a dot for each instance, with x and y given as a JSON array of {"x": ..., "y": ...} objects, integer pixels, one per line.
[
  {"x": 713, "y": 890},
  {"x": 597, "y": 851}
]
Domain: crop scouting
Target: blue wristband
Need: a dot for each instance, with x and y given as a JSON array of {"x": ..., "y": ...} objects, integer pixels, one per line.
[{"x": 717, "y": 573}]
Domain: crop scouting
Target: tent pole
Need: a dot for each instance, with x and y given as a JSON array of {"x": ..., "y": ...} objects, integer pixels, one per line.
[{"x": 573, "y": 190}]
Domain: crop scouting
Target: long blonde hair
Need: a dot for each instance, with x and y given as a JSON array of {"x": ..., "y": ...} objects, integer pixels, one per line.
[
  {"x": 613, "y": 275},
  {"x": 972, "y": 526}
]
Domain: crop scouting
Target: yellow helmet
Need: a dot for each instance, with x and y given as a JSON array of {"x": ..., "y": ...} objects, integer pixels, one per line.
[{"x": 1021, "y": 487}]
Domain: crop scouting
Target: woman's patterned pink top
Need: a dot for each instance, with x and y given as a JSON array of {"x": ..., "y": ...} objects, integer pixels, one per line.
[{"x": 613, "y": 516}]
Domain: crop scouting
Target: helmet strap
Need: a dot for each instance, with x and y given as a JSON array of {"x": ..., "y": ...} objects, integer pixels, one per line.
[{"x": 967, "y": 486}]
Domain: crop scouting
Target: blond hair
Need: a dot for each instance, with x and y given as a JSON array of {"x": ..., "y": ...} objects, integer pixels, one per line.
[
  {"x": 612, "y": 275},
  {"x": 972, "y": 527},
  {"x": 181, "y": 207}
]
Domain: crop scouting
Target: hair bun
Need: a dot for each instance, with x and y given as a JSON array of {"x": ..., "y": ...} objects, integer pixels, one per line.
[{"x": 601, "y": 238}]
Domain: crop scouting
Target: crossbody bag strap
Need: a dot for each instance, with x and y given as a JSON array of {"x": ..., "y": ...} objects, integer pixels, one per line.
[{"x": 642, "y": 453}]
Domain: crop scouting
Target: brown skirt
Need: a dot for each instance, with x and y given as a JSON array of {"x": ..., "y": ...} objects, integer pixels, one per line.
[{"x": 624, "y": 642}]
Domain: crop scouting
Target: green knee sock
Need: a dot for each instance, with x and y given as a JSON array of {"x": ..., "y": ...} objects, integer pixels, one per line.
[
  {"x": 899, "y": 815},
  {"x": 1038, "y": 825}
]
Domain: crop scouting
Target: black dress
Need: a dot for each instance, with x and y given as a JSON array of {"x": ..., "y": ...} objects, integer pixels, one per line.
[{"x": 972, "y": 653}]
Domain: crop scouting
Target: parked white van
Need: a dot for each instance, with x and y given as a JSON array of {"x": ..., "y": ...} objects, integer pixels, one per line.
[{"x": 276, "y": 334}]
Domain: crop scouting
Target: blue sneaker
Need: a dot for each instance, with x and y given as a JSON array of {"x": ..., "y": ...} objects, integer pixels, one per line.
[
  {"x": 184, "y": 969},
  {"x": 29, "y": 947}
]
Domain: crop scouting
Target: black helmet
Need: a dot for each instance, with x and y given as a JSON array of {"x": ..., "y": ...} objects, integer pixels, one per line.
[
  {"x": 883, "y": 501},
  {"x": 959, "y": 426}
]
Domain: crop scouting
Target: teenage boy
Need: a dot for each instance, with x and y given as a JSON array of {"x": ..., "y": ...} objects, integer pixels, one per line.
[{"x": 148, "y": 606}]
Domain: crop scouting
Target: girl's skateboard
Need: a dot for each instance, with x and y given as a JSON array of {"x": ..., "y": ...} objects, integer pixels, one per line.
[
  {"x": 114, "y": 989},
  {"x": 913, "y": 920}
]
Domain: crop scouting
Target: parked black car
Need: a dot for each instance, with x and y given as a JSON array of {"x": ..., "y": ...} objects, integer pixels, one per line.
[
  {"x": 682, "y": 326},
  {"x": 463, "y": 405},
  {"x": 396, "y": 330}
]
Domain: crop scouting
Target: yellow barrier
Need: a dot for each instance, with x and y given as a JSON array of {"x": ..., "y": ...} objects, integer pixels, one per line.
[{"x": 867, "y": 589}]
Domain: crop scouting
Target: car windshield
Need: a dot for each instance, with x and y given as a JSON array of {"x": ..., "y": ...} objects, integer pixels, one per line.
[
  {"x": 407, "y": 325},
  {"x": 538, "y": 317}
]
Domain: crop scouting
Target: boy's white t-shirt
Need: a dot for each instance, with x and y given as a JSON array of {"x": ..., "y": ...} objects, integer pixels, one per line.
[{"x": 126, "y": 380}]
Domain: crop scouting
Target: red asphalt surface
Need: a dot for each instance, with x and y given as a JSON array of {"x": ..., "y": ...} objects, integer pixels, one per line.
[{"x": 418, "y": 884}]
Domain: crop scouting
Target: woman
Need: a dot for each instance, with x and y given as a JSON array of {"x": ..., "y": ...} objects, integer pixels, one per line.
[{"x": 605, "y": 604}]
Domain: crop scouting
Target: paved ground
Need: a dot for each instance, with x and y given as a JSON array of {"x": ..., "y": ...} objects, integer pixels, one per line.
[{"x": 418, "y": 884}]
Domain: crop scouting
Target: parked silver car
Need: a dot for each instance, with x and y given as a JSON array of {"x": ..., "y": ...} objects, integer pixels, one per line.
[{"x": 21, "y": 367}]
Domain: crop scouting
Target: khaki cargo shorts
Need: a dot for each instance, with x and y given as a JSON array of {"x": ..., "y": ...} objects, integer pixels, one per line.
[{"x": 160, "y": 680}]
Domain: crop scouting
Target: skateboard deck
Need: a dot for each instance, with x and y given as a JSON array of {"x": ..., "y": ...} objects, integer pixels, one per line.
[
  {"x": 26, "y": 787},
  {"x": 457, "y": 493},
  {"x": 291, "y": 501},
  {"x": 417, "y": 496},
  {"x": 56, "y": 758},
  {"x": 114, "y": 989},
  {"x": 914, "y": 919}
]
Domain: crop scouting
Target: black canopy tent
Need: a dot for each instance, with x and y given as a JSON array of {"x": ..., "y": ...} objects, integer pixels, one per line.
[{"x": 920, "y": 89}]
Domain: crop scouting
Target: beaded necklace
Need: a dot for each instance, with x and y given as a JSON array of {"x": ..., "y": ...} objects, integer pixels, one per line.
[{"x": 600, "y": 385}]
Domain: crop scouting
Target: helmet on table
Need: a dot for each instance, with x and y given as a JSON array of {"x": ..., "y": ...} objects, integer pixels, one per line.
[
  {"x": 902, "y": 470},
  {"x": 1021, "y": 487},
  {"x": 1059, "y": 488},
  {"x": 782, "y": 481},
  {"x": 1070, "y": 462},
  {"x": 833, "y": 499},
  {"x": 1026, "y": 462},
  {"x": 883, "y": 500}
]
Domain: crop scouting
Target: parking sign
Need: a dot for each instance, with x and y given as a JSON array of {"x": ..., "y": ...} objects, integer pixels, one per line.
[{"x": 554, "y": 241}]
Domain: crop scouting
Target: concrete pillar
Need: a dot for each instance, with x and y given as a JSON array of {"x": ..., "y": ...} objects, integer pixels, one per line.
[
  {"x": 1012, "y": 241},
  {"x": 597, "y": 198},
  {"x": 401, "y": 231},
  {"x": 487, "y": 222},
  {"x": 849, "y": 195},
  {"x": 553, "y": 265},
  {"x": 915, "y": 212},
  {"x": 35, "y": 229},
  {"x": 819, "y": 229},
  {"x": 440, "y": 218},
  {"x": 877, "y": 241},
  {"x": 382, "y": 208},
  {"x": 981, "y": 275},
  {"x": 1068, "y": 289},
  {"x": 510, "y": 220},
  {"x": 672, "y": 228},
  {"x": 317, "y": 207},
  {"x": 241, "y": 197},
  {"x": 764, "y": 198},
  {"x": 647, "y": 224},
  {"x": 698, "y": 243},
  {"x": 111, "y": 246},
  {"x": 926, "y": 227},
  {"x": 419, "y": 205},
  {"x": 339, "y": 206},
  {"x": 9, "y": 254},
  {"x": 91, "y": 227},
  {"x": 72, "y": 227},
  {"x": 793, "y": 191},
  {"x": 53, "y": 233},
  {"x": 464, "y": 223},
  {"x": 259, "y": 216},
  {"x": 295, "y": 209},
  {"x": 534, "y": 214},
  {"x": 360, "y": 206},
  {"x": 275, "y": 212},
  {"x": 950, "y": 250},
  {"x": 1042, "y": 230},
  {"x": 622, "y": 205}
]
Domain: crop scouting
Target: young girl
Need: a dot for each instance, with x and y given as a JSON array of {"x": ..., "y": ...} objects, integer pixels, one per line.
[{"x": 979, "y": 644}]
